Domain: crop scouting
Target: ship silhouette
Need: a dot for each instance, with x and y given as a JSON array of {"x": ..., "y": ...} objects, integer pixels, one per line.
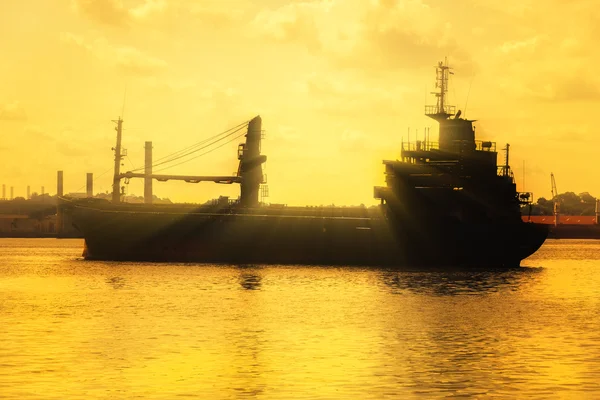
[{"x": 445, "y": 203}]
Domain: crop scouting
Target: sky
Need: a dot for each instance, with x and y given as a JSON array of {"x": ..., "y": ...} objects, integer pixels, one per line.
[{"x": 338, "y": 84}]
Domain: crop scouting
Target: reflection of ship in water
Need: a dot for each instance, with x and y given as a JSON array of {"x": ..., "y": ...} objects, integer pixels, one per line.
[
  {"x": 466, "y": 333},
  {"x": 458, "y": 281},
  {"x": 250, "y": 281},
  {"x": 247, "y": 335},
  {"x": 116, "y": 282},
  {"x": 447, "y": 203}
]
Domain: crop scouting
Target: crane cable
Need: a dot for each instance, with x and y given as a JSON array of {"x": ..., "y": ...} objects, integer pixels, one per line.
[
  {"x": 188, "y": 150},
  {"x": 198, "y": 149},
  {"x": 237, "y": 128},
  {"x": 199, "y": 155}
]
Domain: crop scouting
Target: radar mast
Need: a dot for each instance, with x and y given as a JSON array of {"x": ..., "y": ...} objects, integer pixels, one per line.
[{"x": 441, "y": 111}]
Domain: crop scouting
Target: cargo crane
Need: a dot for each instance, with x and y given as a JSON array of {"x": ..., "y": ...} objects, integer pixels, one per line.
[
  {"x": 249, "y": 174},
  {"x": 555, "y": 199}
]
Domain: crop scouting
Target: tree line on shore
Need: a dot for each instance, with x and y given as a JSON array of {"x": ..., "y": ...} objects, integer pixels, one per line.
[{"x": 570, "y": 203}]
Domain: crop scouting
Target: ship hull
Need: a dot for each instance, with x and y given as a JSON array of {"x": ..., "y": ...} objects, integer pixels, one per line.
[
  {"x": 567, "y": 231},
  {"x": 297, "y": 240}
]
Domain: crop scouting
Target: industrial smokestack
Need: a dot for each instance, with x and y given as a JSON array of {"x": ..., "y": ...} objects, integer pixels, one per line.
[
  {"x": 3, "y": 192},
  {"x": 89, "y": 184},
  {"x": 59, "y": 184},
  {"x": 28, "y": 192},
  {"x": 148, "y": 172},
  {"x": 12, "y": 192}
]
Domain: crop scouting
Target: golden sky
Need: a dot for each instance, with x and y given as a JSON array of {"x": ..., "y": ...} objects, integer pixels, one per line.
[{"x": 337, "y": 83}]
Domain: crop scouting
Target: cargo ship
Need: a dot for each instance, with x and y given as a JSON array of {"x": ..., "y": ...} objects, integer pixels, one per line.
[{"x": 445, "y": 203}]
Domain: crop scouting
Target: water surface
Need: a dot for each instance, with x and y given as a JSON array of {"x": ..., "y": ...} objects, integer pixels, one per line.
[{"x": 80, "y": 329}]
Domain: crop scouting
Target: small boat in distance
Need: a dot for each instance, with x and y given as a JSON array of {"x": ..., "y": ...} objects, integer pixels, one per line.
[{"x": 445, "y": 203}]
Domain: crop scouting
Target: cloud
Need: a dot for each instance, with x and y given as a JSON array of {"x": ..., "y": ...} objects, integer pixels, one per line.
[
  {"x": 295, "y": 22},
  {"x": 74, "y": 39},
  {"x": 115, "y": 13},
  {"x": 12, "y": 112},
  {"x": 520, "y": 45},
  {"x": 148, "y": 9},
  {"x": 217, "y": 14},
  {"x": 109, "y": 12},
  {"x": 404, "y": 34},
  {"x": 577, "y": 88},
  {"x": 225, "y": 101},
  {"x": 37, "y": 133},
  {"x": 343, "y": 95},
  {"x": 171, "y": 85},
  {"x": 353, "y": 141},
  {"x": 133, "y": 61},
  {"x": 66, "y": 141},
  {"x": 371, "y": 35},
  {"x": 287, "y": 135},
  {"x": 548, "y": 68},
  {"x": 128, "y": 59}
]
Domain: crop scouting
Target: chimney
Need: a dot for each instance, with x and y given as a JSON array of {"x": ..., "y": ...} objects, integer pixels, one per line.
[
  {"x": 59, "y": 184},
  {"x": 28, "y": 192},
  {"x": 89, "y": 184}
]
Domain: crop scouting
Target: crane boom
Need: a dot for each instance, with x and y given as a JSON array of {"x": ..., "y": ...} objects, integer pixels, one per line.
[{"x": 555, "y": 199}]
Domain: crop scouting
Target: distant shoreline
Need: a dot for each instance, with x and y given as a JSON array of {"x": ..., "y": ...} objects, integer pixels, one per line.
[{"x": 36, "y": 235}]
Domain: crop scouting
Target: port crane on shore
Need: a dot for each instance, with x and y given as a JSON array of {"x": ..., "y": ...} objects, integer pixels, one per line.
[
  {"x": 553, "y": 184},
  {"x": 555, "y": 198}
]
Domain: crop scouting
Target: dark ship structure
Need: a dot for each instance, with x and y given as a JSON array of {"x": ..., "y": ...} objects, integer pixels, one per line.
[{"x": 444, "y": 204}]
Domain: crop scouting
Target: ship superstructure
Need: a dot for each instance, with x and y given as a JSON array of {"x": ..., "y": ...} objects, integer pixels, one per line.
[
  {"x": 455, "y": 179},
  {"x": 455, "y": 184}
]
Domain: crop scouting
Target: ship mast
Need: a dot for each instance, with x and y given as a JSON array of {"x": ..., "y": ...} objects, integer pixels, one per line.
[
  {"x": 442, "y": 72},
  {"x": 506, "y": 167},
  {"x": 116, "y": 194},
  {"x": 441, "y": 111}
]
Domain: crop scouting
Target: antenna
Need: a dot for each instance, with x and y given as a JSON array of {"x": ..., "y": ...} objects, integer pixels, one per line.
[
  {"x": 468, "y": 94},
  {"x": 441, "y": 111},
  {"x": 506, "y": 167},
  {"x": 442, "y": 83},
  {"x": 124, "y": 97},
  {"x": 523, "y": 175}
]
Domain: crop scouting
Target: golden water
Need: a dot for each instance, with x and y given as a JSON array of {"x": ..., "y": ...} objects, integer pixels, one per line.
[{"x": 71, "y": 329}]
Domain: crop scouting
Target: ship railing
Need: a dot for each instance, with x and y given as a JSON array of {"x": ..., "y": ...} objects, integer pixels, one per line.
[
  {"x": 433, "y": 110},
  {"x": 504, "y": 170},
  {"x": 419, "y": 145}
]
